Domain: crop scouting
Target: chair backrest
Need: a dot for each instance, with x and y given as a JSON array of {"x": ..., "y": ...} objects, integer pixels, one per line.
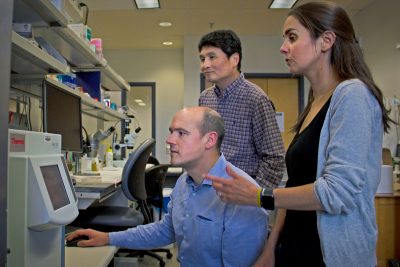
[
  {"x": 133, "y": 174},
  {"x": 153, "y": 160},
  {"x": 155, "y": 177}
]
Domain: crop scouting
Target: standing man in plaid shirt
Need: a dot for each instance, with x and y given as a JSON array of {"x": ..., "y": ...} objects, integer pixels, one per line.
[{"x": 253, "y": 141}]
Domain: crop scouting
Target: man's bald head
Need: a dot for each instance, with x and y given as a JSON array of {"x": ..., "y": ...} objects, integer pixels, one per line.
[{"x": 208, "y": 120}]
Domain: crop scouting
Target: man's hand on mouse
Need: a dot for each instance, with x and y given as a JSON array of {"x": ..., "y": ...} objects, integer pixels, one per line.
[{"x": 96, "y": 238}]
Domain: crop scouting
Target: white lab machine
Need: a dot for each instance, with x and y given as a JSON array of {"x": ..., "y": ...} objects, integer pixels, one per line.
[{"x": 41, "y": 200}]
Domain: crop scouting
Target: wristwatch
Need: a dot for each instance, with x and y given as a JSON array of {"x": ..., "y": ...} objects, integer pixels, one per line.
[{"x": 267, "y": 199}]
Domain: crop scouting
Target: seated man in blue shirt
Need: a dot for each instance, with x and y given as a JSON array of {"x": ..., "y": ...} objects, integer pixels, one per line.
[{"x": 208, "y": 231}]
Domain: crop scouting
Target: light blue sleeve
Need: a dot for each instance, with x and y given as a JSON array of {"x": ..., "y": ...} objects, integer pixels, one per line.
[
  {"x": 348, "y": 136},
  {"x": 147, "y": 236},
  {"x": 245, "y": 231}
]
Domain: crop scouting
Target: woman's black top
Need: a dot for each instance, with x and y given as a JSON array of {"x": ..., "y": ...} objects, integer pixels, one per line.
[{"x": 299, "y": 243}]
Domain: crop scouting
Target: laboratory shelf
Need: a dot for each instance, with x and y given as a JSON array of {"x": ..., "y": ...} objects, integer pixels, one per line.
[
  {"x": 31, "y": 64},
  {"x": 28, "y": 58},
  {"x": 31, "y": 85},
  {"x": 75, "y": 13},
  {"x": 38, "y": 12},
  {"x": 49, "y": 22},
  {"x": 110, "y": 76},
  {"x": 81, "y": 58},
  {"x": 110, "y": 80},
  {"x": 105, "y": 113},
  {"x": 92, "y": 107},
  {"x": 98, "y": 110},
  {"x": 73, "y": 48}
]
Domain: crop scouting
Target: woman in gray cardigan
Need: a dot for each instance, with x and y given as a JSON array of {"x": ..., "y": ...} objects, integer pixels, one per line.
[{"x": 326, "y": 214}]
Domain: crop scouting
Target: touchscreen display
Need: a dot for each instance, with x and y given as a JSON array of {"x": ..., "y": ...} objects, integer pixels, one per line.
[{"x": 55, "y": 186}]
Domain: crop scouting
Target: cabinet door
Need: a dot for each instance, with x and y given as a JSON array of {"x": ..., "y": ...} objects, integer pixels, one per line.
[
  {"x": 284, "y": 94},
  {"x": 388, "y": 220}
]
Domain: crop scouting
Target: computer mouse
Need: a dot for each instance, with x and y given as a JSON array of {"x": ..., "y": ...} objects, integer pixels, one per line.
[{"x": 74, "y": 242}]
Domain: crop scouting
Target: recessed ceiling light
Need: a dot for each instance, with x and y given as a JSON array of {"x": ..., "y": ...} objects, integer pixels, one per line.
[
  {"x": 165, "y": 24},
  {"x": 142, "y": 4},
  {"x": 138, "y": 100},
  {"x": 142, "y": 104},
  {"x": 167, "y": 43},
  {"x": 282, "y": 3}
]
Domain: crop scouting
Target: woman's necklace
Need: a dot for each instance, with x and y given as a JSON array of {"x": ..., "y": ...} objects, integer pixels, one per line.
[{"x": 322, "y": 98}]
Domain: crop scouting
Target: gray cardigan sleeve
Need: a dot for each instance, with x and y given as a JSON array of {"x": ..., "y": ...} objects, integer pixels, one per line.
[
  {"x": 348, "y": 174},
  {"x": 350, "y": 134}
]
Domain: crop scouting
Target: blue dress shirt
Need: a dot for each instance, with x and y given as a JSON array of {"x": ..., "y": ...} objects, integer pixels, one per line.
[{"x": 208, "y": 231}]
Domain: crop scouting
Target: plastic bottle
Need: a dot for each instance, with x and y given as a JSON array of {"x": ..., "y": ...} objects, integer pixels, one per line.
[
  {"x": 95, "y": 164},
  {"x": 109, "y": 157}
]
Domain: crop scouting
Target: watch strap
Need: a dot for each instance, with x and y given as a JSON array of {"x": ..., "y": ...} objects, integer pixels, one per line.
[{"x": 267, "y": 199}]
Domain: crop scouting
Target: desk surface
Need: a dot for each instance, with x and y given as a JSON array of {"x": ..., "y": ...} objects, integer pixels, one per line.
[
  {"x": 96, "y": 190},
  {"x": 89, "y": 257}
]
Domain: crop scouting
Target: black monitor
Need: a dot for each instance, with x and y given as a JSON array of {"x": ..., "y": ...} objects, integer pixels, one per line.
[{"x": 62, "y": 115}]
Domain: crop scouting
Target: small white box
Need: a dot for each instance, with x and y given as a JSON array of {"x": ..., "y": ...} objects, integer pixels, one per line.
[
  {"x": 81, "y": 30},
  {"x": 23, "y": 29}
]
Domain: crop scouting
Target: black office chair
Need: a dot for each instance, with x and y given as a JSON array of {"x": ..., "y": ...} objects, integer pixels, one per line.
[
  {"x": 394, "y": 263},
  {"x": 114, "y": 218},
  {"x": 153, "y": 160},
  {"x": 154, "y": 180}
]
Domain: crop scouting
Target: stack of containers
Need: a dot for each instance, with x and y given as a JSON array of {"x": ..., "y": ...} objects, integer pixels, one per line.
[
  {"x": 82, "y": 30},
  {"x": 98, "y": 46}
]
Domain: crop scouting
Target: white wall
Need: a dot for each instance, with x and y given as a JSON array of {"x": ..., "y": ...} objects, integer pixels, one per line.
[
  {"x": 379, "y": 28},
  {"x": 165, "y": 68},
  {"x": 378, "y": 25}
]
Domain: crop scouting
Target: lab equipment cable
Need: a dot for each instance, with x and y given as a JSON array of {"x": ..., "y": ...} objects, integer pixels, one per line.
[
  {"x": 85, "y": 141},
  {"x": 23, "y": 110},
  {"x": 28, "y": 115},
  {"x": 86, "y": 11}
]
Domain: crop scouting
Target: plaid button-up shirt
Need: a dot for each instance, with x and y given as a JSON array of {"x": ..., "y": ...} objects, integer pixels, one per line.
[{"x": 252, "y": 140}]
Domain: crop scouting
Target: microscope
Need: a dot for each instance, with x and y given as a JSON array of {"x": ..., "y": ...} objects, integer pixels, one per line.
[
  {"x": 91, "y": 149},
  {"x": 128, "y": 140},
  {"x": 95, "y": 139}
]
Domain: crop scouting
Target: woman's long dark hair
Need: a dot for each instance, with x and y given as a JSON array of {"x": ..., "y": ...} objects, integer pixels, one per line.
[{"x": 346, "y": 57}]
